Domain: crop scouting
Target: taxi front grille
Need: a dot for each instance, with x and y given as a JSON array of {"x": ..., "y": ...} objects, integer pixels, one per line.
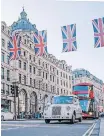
[{"x": 56, "y": 110}]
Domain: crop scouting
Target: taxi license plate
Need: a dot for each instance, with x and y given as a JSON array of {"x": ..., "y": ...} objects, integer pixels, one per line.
[{"x": 55, "y": 116}]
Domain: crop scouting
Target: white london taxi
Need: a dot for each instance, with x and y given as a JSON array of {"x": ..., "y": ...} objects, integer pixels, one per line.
[
  {"x": 6, "y": 115},
  {"x": 63, "y": 108}
]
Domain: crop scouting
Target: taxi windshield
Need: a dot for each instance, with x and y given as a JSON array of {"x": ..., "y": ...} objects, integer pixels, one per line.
[{"x": 63, "y": 100}]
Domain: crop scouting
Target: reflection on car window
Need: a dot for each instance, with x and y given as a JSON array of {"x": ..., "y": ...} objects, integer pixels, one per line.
[{"x": 63, "y": 100}]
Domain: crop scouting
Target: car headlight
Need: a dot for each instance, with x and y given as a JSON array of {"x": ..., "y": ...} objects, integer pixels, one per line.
[
  {"x": 90, "y": 113},
  {"x": 68, "y": 108}
]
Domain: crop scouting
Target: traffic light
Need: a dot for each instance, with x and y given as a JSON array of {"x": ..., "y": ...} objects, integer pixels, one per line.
[
  {"x": 12, "y": 89},
  {"x": 16, "y": 91}
]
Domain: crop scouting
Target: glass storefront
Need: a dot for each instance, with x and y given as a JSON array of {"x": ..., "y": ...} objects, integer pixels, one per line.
[{"x": 6, "y": 105}]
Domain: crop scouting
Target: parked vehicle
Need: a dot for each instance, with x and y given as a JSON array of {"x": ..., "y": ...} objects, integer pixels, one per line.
[
  {"x": 88, "y": 98},
  {"x": 101, "y": 114},
  {"x": 6, "y": 115},
  {"x": 63, "y": 108}
]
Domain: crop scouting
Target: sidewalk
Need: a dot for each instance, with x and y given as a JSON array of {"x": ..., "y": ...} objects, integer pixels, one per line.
[{"x": 101, "y": 133}]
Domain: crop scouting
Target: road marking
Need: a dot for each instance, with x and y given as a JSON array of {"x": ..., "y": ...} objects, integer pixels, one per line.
[
  {"x": 92, "y": 130},
  {"x": 30, "y": 125},
  {"x": 89, "y": 129},
  {"x": 20, "y": 125},
  {"x": 10, "y": 128}
]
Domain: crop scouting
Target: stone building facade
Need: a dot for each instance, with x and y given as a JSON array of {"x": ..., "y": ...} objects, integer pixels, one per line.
[{"x": 38, "y": 78}]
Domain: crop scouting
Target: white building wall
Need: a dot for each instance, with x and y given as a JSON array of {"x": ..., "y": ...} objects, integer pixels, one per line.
[{"x": 46, "y": 62}]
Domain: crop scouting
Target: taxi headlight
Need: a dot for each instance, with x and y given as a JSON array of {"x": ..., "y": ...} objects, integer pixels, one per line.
[
  {"x": 68, "y": 108},
  {"x": 90, "y": 113}
]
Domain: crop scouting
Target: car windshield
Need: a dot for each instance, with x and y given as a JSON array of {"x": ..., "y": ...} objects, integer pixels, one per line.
[
  {"x": 63, "y": 100},
  {"x": 4, "y": 110}
]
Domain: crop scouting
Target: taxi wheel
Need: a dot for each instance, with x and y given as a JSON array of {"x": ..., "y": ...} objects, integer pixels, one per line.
[
  {"x": 80, "y": 119},
  {"x": 73, "y": 119},
  {"x": 47, "y": 121},
  {"x": 2, "y": 118}
]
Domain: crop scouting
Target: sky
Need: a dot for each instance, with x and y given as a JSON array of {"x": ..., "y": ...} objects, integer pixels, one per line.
[{"x": 50, "y": 15}]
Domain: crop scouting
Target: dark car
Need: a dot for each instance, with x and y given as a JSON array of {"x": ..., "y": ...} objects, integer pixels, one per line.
[{"x": 101, "y": 114}]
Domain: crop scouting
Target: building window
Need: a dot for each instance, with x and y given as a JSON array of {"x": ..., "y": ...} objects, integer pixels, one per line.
[
  {"x": 3, "y": 27},
  {"x": 69, "y": 77},
  {"x": 40, "y": 96},
  {"x": 2, "y": 88},
  {"x": 57, "y": 81},
  {"x": 64, "y": 91},
  {"x": 2, "y": 57},
  {"x": 31, "y": 81},
  {"x": 61, "y": 91},
  {"x": 3, "y": 43},
  {"x": 64, "y": 83},
  {"x": 61, "y": 74},
  {"x": 53, "y": 78},
  {"x": 53, "y": 69},
  {"x": 43, "y": 64},
  {"x": 46, "y": 75},
  {"x": 50, "y": 68},
  {"x": 24, "y": 65},
  {"x": 58, "y": 91},
  {"x": 50, "y": 77},
  {"x": 66, "y": 76},
  {"x": 19, "y": 78},
  {"x": 53, "y": 89},
  {"x": 34, "y": 70},
  {"x": 25, "y": 80},
  {"x": 57, "y": 72},
  {"x": 30, "y": 57},
  {"x": 39, "y": 62},
  {"x": 30, "y": 69},
  {"x": 43, "y": 74},
  {"x": 8, "y": 75},
  {"x": 8, "y": 32},
  {"x": 30, "y": 45},
  {"x": 24, "y": 53},
  {"x": 61, "y": 82},
  {"x": 7, "y": 59},
  {"x": 25, "y": 41},
  {"x": 34, "y": 59},
  {"x": 46, "y": 65},
  {"x": 7, "y": 89},
  {"x": 46, "y": 87},
  {"x": 2, "y": 73},
  {"x": 34, "y": 82},
  {"x": 39, "y": 72},
  {"x": 19, "y": 63}
]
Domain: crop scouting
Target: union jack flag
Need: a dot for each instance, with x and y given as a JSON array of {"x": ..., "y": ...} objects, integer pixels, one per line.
[
  {"x": 14, "y": 47},
  {"x": 40, "y": 40},
  {"x": 98, "y": 27},
  {"x": 69, "y": 38}
]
